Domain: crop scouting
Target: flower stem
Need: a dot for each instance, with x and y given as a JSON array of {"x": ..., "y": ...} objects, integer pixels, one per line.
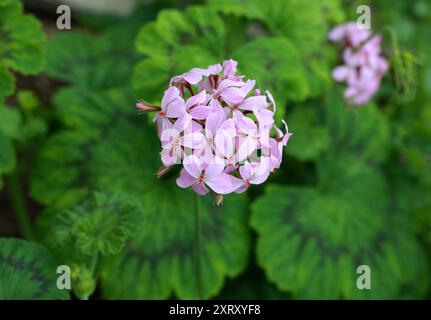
[
  {"x": 94, "y": 261},
  {"x": 198, "y": 247},
  {"x": 18, "y": 203}
]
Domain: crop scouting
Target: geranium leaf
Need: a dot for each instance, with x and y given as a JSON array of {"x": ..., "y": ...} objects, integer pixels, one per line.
[
  {"x": 313, "y": 238},
  {"x": 27, "y": 272},
  {"x": 314, "y": 136},
  {"x": 301, "y": 23},
  {"x": 102, "y": 224},
  {"x": 175, "y": 43},
  {"x": 364, "y": 131},
  {"x": 21, "y": 44},
  {"x": 81, "y": 64},
  {"x": 7, "y": 82},
  {"x": 11, "y": 120},
  {"x": 118, "y": 157},
  {"x": 275, "y": 63}
]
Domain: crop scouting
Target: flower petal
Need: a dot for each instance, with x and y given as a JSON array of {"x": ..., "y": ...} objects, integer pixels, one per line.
[
  {"x": 192, "y": 165},
  {"x": 185, "y": 180}
]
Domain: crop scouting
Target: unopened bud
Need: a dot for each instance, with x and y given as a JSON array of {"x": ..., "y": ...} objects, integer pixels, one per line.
[
  {"x": 218, "y": 199},
  {"x": 141, "y": 106},
  {"x": 162, "y": 171}
]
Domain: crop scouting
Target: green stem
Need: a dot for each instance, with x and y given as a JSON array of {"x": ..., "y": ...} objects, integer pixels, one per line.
[
  {"x": 19, "y": 205},
  {"x": 93, "y": 265},
  {"x": 198, "y": 247}
]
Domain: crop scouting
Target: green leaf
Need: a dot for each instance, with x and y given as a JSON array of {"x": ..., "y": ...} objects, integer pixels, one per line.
[
  {"x": 302, "y": 22},
  {"x": 119, "y": 157},
  {"x": 313, "y": 137},
  {"x": 10, "y": 121},
  {"x": 22, "y": 39},
  {"x": 91, "y": 63},
  {"x": 364, "y": 131},
  {"x": 27, "y": 272},
  {"x": 7, "y": 154},
  {"x": 7, "y": 83},
  {"x": 100, "y": 224},
  {"x": 175, "y": 43},
  {"x": 312, "y": 239},
  {"x": 275, "y": 63}
]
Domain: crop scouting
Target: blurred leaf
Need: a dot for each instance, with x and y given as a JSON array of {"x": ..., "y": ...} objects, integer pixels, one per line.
[
  {"x": 90, "y": 62},
  {"x": 21, "y": 44},
  {"x": 7, "y": 83},
  {"x": 364, "y": 131},
  {"x": 108, "y": 148},
  {"x": 28, "y": 100},
  {"x": 10, "y": 121},
  {"x": 175, "y": 43},
  {"x": 7, "y": 154},
  {"x": 299, "y": 21},
  {"x": 100, "y": 224},
  {"x": 274, "y": 63},
  {"x": 313, "y": 238},
  {"x": 313, "y": 137},
  {"x": 27, "y": 272}
]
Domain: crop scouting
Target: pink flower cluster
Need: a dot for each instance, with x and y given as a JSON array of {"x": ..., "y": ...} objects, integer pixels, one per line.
[
  {"x": 363, "y": 66},
  {"x": 220, "y": 130}
]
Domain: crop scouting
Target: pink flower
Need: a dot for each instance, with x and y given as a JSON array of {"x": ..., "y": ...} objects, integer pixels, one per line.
[
  {"x": 363, "y": 66},
  {"x": 199, "y": 175},
  {"x": 219, "y": 129},
  {"x": 176, "y": 138},
  {"x": 173, "y": 106},
  {"x": 350, "y": 34},
  {"x": 253, "y": 173},
  {"x": 230, "y": 92},
  {"x": 196, "y": 106}
]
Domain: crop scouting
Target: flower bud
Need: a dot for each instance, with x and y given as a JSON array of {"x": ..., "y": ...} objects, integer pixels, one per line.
[
  {"x": 218, "y": 199},
  {"x": 146, "y": 107}
]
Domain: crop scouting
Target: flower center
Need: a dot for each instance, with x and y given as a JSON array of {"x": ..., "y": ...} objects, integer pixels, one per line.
[{"x": 201, "y": 179}]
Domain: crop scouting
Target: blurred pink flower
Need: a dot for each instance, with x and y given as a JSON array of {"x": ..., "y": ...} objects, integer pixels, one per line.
[{"x": 363, "y": 66}]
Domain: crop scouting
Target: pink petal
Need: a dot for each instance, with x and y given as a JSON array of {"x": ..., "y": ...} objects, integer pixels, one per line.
[
  {"x": 213, "y": 122},
  {"x": 185, "y": 180},
  {"x": 171, "y": 156},
  {"x": 260, "y": 174},
  {"x": 248, "y": 146},
  {"x": 229, "y": 67},
  {"x": 176, "y": 108},
  {"x": 200, "y": 189},
  {"x": 193, "y": 166},
  {"x": 170, "y": 95},
  {"x": 265, "y": 117},
  {"x": 271, "y": 99},
  {"x": 200, "y": 112},
  {"x": 193, "y": 140},
  {"x": 248, "y": 86},
  {"x": 199, "y": 98},
  {"x": 214, "y": 169},
  {"x": 224, "y": 183},
  {"x": 340, "y": 73},
  {"x": 255, "y": 102},
  {"x": 246, "y": 171},
  {"x": 233, "y": 95}
]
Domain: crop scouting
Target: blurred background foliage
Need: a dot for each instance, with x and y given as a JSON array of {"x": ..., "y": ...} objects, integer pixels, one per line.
[{"x": 77, "y": 163}]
